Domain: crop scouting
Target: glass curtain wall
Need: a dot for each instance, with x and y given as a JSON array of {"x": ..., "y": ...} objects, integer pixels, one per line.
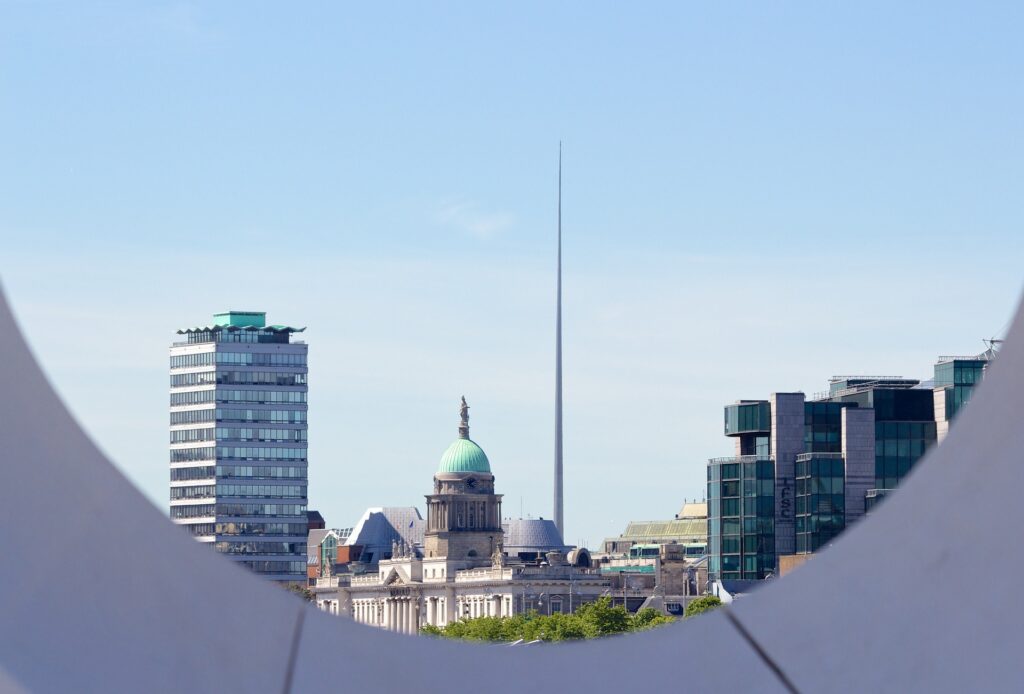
[
  {"x": 741, "y": 517},
  {"x": 820, "y": 500}
]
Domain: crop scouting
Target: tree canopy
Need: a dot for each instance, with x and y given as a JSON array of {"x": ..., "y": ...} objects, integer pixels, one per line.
[
  {"x": 703, "y": 604},
  {"x": 592, "y": 620},
  {"x": 301, "y": 591}
]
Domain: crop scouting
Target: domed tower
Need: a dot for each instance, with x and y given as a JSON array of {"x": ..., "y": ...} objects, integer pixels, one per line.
[{"x": 463, "y": 513}]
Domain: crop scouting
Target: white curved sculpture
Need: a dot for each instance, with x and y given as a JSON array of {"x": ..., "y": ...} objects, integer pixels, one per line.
[{"x": 99, "y": 592}]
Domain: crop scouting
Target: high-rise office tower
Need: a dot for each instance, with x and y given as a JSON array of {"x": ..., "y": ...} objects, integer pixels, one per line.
[{"x": 238, "y": 441}]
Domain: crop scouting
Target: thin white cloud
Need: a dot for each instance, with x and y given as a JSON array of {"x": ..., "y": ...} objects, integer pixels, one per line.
[{"x": 473, "y": 218}]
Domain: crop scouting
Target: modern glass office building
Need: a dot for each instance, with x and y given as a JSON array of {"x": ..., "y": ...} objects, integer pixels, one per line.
[
  {"x": 741, "y": 517},
  {"x": 741, "y": 497},
  {"x": 820, "y": 499},
  {"x": 955, "y": 380},
  {"x": 829, "y": 459},
  {"x": 776, "y": 496},
  {"x": 957, "y": 376},
  {"x": 238, "y": 441},
  {"x": 904, "y": 421}
]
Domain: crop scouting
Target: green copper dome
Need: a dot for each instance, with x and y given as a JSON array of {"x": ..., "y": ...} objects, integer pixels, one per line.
[{"x": 464, "y": 456}]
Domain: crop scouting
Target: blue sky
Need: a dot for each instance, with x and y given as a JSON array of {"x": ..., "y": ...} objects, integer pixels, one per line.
[{"x": 756, "y": 198}]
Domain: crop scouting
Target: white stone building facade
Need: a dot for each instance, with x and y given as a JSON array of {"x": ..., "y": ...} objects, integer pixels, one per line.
[{"x": 462, "y": 570}]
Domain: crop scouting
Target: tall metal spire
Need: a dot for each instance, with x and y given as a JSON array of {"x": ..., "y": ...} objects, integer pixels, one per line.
[{"x": 559, "y": 521}]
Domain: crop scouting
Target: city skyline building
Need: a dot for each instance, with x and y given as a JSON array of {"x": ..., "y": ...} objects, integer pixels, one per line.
[
  {"x": 804, "y": 470},
  {"x": 462, "y": 568},
  {"x": 238, "y": 441}
]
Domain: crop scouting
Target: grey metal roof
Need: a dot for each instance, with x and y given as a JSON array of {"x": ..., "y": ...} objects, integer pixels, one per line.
[
  {"x": 380, "y": 526},
  {"x": 532, "y": 535},
  {"x": 316, "y": 536}
]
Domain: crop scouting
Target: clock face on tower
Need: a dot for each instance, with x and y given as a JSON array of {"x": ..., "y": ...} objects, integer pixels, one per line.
[{"x": 471, "y": 483}]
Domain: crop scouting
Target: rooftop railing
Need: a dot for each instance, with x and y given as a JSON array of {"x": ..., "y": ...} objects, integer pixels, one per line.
[
  {"x": 857, "y": 377},
  {"x": 491, "y": 573},
  {"x": 804, "y": 457},
  {"x": 739, "y": 459},
  {"x": 946, "y": 358}
]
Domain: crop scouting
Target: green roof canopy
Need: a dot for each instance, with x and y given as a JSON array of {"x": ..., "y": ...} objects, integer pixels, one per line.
[
  {"x": 241, "y": 319},
  {"x": 464, "y": 456}
]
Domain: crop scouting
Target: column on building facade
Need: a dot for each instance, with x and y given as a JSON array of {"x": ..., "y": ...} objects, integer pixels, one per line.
[
  {"x": 787, "y": 441},
  {"x": 858, "y": 446}
]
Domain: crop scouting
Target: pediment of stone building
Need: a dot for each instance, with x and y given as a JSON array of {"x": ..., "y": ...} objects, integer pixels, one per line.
[{"x": 395, "y": 577}]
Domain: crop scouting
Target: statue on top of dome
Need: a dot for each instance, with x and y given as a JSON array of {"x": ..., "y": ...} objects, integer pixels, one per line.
[{"x": 464, "y": 417}]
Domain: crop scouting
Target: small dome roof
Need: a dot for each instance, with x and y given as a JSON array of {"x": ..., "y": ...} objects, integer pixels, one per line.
[
  {"x": 532, "y": 535},
  {"x": 464, "y": 456}
]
